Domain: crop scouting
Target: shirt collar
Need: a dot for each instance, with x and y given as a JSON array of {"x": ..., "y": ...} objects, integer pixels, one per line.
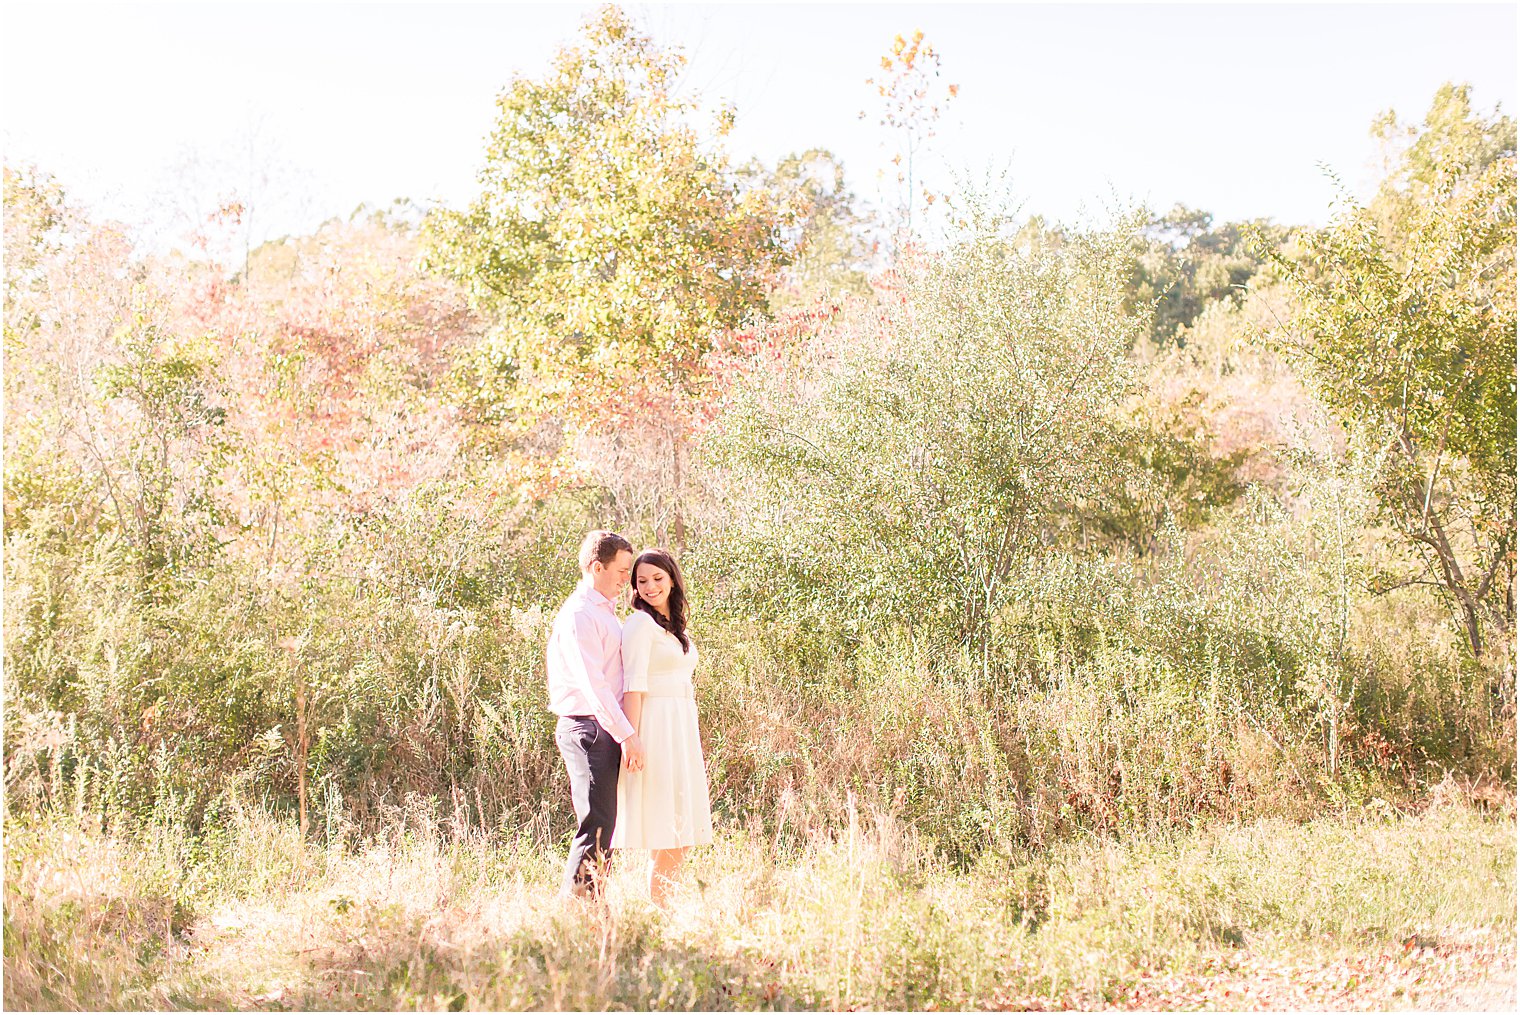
[{"x": 592, "y": 595}]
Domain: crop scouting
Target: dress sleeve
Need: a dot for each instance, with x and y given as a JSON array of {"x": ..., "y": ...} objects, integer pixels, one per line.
[{"x": 638, "y": 643}]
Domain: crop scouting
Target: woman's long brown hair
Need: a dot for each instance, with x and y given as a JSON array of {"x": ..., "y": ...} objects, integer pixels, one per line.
[{"x": 676, "y": 623}]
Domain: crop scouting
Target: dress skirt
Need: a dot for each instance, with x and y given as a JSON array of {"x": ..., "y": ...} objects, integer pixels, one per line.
[{"x": 665, "y": 806}]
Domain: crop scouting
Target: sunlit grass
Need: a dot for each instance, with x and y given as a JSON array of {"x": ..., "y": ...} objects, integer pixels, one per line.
[{"x": 863, "y": 917}]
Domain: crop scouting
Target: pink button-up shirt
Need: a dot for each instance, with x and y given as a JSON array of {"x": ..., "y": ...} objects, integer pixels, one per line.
[{"x": 586, "y": 661}]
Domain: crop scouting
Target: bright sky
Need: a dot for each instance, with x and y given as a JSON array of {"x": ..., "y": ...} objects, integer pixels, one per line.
[{"x": 144, "y": 110}]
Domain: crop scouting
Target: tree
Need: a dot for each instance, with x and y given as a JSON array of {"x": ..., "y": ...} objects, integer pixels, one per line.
[
  {"x": 826, "y": 231},
  {"x": 912, "y": 104},
  {"x": 608, "y": 243},
  {"x": 114, "y": 412},
  {"x": 1450, "y": 135},
  {"x": 909, "y": 462},
  {"x": 1185, "y": 262},
  {"x": 343, "y": 356},
  {"x": 35, "y": 214},
  {"x": 1407, "y": 319}
]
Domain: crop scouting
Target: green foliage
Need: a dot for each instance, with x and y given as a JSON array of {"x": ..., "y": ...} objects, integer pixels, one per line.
[
  {"x": 826, "y": 230},
  {"x": 1418, "y": 157},
  {"x": 169, "y": 443},
  {"x": 610, "y": 239},
  {"x": 1407, "y": 317},
  {"x": 35, "y": 218},
  {"x": 421, "y": 672},
  {"x": 1170, "y": 476},
  {"x": 911, "y": 469},
  {"x": 956, "y": 572},
  {"x": 1184, "y": 262}
]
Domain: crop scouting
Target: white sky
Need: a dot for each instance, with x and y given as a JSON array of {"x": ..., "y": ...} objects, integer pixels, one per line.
[{"x": 143, "y": 110}]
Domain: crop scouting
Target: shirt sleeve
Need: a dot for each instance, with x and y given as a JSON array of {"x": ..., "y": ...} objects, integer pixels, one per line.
[
  {"x": 586, "y": 665},
  {"x": 638, "y": 643}
]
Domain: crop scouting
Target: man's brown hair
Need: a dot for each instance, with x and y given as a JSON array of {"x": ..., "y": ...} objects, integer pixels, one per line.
[{"x": 602, "y": 545}]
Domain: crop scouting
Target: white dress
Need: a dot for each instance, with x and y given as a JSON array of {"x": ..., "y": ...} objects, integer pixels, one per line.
[{"x": 666, "y": 805}]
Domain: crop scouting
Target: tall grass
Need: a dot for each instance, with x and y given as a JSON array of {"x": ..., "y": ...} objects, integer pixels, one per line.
[
  {"x": 869, "y": 916},
  {"x": 1131, "y": 695}
]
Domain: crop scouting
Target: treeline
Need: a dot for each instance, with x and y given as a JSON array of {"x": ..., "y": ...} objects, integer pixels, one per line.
[{"x": 1008, "y": 531}]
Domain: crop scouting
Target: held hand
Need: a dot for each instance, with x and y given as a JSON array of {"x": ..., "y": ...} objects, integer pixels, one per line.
[{"x": 633, "y": 754}]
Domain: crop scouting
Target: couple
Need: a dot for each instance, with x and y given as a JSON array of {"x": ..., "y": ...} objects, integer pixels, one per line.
[{"x": 628, "y": 719}]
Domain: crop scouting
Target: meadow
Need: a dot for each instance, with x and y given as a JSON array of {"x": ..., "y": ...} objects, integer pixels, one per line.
[
  {"x": 1369, "y": 908},
  {"x": 1100, "y": 615}
]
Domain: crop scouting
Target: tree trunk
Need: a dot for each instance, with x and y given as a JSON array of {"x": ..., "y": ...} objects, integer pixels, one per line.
[
  {"x": 678, "y": 522},
  {"x": 1428, "y": 529}
]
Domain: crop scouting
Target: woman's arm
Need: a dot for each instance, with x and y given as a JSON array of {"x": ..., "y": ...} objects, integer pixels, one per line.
[
  {"x": 638, "y": 642},
  {"x": 633, "y": 707}
]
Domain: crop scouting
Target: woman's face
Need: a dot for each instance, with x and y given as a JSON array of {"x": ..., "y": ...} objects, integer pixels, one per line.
[{"x": 653, "y": 586}]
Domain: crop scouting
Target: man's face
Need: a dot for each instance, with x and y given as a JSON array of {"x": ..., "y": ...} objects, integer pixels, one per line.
[{"x": 610, "y": 579}]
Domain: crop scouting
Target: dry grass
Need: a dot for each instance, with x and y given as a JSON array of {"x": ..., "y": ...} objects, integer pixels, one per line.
[{"x": 1397, "y": 906}]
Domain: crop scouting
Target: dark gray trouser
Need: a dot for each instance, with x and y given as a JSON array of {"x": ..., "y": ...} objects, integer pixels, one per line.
[{"x": 592, "y": 758}]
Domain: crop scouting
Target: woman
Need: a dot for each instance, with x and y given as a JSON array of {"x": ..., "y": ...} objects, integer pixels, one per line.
[{"x": 664, "y": 808}]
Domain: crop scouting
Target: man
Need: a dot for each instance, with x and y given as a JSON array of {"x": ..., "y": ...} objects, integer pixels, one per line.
[{"x": 586, "y": 692}]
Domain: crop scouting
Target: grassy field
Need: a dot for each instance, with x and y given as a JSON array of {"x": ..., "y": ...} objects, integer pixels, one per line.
[{"x": 1367, "y": 909}]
